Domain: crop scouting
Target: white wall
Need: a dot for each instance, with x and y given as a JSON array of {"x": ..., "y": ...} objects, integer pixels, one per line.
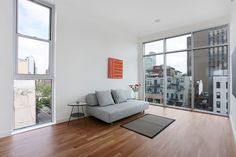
[
  {"x": 83, "y": 45},
  {"x": 6, "y": 67},
  {"x": 232, "y": 47},
  {"x": 82, "y": 49}
]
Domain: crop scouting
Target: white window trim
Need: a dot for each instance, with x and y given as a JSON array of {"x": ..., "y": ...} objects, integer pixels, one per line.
[{"x": 51, "y": 75}]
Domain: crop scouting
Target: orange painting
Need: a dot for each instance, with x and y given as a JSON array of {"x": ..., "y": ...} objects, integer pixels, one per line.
[{"x": 115, "y": 68}]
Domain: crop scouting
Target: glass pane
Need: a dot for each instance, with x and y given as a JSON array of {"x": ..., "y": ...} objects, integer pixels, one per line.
[
  {"x": 179, "y": 79},
  {"x": 211, "y": 79},
  {"x": 32, "y": 102},
  {"x": 33, "y": 56},
  {"x": 154, "y": 68},
  {"x": 210, "y": 37},
  {"x": 153, "y": 47},
  {"x": 178, "y": 43},
  {"x": 33, "y": 19}
]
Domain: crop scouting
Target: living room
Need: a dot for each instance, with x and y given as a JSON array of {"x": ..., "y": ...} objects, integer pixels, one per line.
[{"x": 175, "y": 60}]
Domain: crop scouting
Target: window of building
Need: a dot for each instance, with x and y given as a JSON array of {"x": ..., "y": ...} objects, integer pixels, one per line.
[
  {"x": 167, "y": 95},
  {"x": 226, "y": 85},
  {"x": 149, "y": 99},
  {"x": 218, "y": 95},
  {"x": 33, "y": 84},
  {"x": 157, "y": 101},
  {"x": 217, "y": 84},
  {"x": 181, "y": 96},
  {"x": 218, "y": 104}
]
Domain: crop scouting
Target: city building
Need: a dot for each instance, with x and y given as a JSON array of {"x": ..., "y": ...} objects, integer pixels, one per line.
[
  {"x": 150, "y": 61},
  {"x": 178, "y": 90},
  {"x": 216, "y": 59},
  {"x": 24, "y": 103},
  {"x": 26, "y": 66},
  {"x": 220, "y": 95}
]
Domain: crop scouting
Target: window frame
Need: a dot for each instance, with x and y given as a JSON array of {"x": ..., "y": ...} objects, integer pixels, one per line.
[
  {"x": 191, "y": 50},
  {"x": 50, "y": 41}
]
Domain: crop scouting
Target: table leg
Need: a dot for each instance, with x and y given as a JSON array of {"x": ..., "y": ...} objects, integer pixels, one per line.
[
  {"x": 78, "y": 112},
  {"x": 70, "y": 115},
  {"x": 83, "y": 112}
]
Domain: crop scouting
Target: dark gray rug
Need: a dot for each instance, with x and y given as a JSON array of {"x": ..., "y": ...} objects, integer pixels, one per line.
[{"x": 149, "y": 125}]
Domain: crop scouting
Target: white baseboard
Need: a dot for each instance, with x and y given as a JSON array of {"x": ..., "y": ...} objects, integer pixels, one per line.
[
  {"x": 5, "y": 134},
  {"x": 65, "y": 119},
  {"x": 233, "y": 128},
  {"x": 61, "y": 120}
]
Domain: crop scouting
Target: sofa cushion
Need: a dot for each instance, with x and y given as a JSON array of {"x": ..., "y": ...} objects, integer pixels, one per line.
[
  {"x": 91, "y": 99},
  {"x": 128, "y": 94},
  {"x": 104, "y": 98},
  {"x": 118, "y": 111},
  {"x": 119, "y": 96}
]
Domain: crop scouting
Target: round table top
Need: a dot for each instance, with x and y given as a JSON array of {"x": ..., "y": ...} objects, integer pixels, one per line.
[{"x": 77, "y": 104}]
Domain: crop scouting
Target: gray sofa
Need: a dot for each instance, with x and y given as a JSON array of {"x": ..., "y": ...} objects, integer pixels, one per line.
[{"x": 116, "y": 111}]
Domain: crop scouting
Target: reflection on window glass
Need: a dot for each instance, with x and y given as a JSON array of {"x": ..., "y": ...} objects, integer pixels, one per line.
[
  {"x": 33, "y": 56},
  {"x": 154, "y": 85},
  {"x": 210, "y": 73},
  {"x": 153, "y": 47},
  {"x": 179, "y": 79},
  {"x": 178, "y": 43},
  {"x": 210, "y": 37},
  {"x": 32, "y": 102},
  {"x": 33, "y": 19}
]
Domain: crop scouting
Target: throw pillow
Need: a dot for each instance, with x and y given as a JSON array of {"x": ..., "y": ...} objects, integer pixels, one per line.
[
  {"x": 104, "y": 98},
  {"x": 119, "y": 96}
]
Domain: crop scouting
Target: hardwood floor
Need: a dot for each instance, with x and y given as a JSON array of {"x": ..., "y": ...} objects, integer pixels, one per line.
[{"x": 191, "y": 135}]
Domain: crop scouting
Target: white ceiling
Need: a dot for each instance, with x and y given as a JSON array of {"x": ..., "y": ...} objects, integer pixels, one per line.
[{"x": 137, "y": 16}]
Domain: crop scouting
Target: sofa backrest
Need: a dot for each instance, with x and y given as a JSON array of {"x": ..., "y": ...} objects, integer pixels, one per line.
[{"x": 92, "y": 100}]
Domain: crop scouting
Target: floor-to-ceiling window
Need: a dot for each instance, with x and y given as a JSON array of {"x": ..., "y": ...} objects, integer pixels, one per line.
[
  {"x": 154, "y": 72},
  {"x": 211, "y": 70},
  {"x": 33, "y": 84},
  {"x": 189, "y": 71}
]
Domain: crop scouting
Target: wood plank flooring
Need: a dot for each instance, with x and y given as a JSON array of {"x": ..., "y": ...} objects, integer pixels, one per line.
[{"x": 191, "y": 135}]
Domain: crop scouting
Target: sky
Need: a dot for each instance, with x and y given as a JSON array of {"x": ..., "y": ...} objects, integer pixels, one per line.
[
  {"x": 33, "y": 20},
  {"x": 175, "y": 60}
]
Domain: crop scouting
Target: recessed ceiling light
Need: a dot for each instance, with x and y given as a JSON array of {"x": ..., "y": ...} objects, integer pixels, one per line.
[{"x": 157, "y": 20}]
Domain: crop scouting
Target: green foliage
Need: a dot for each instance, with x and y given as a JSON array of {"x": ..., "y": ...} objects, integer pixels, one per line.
[
  {"x": 44, "y": 89},
  {"x": 43, "y": 92},
  {"x": 39, "y": 104}
]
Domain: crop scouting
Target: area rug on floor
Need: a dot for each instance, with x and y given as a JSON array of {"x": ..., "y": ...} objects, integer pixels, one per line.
[{"x": 149, "y": 125}]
